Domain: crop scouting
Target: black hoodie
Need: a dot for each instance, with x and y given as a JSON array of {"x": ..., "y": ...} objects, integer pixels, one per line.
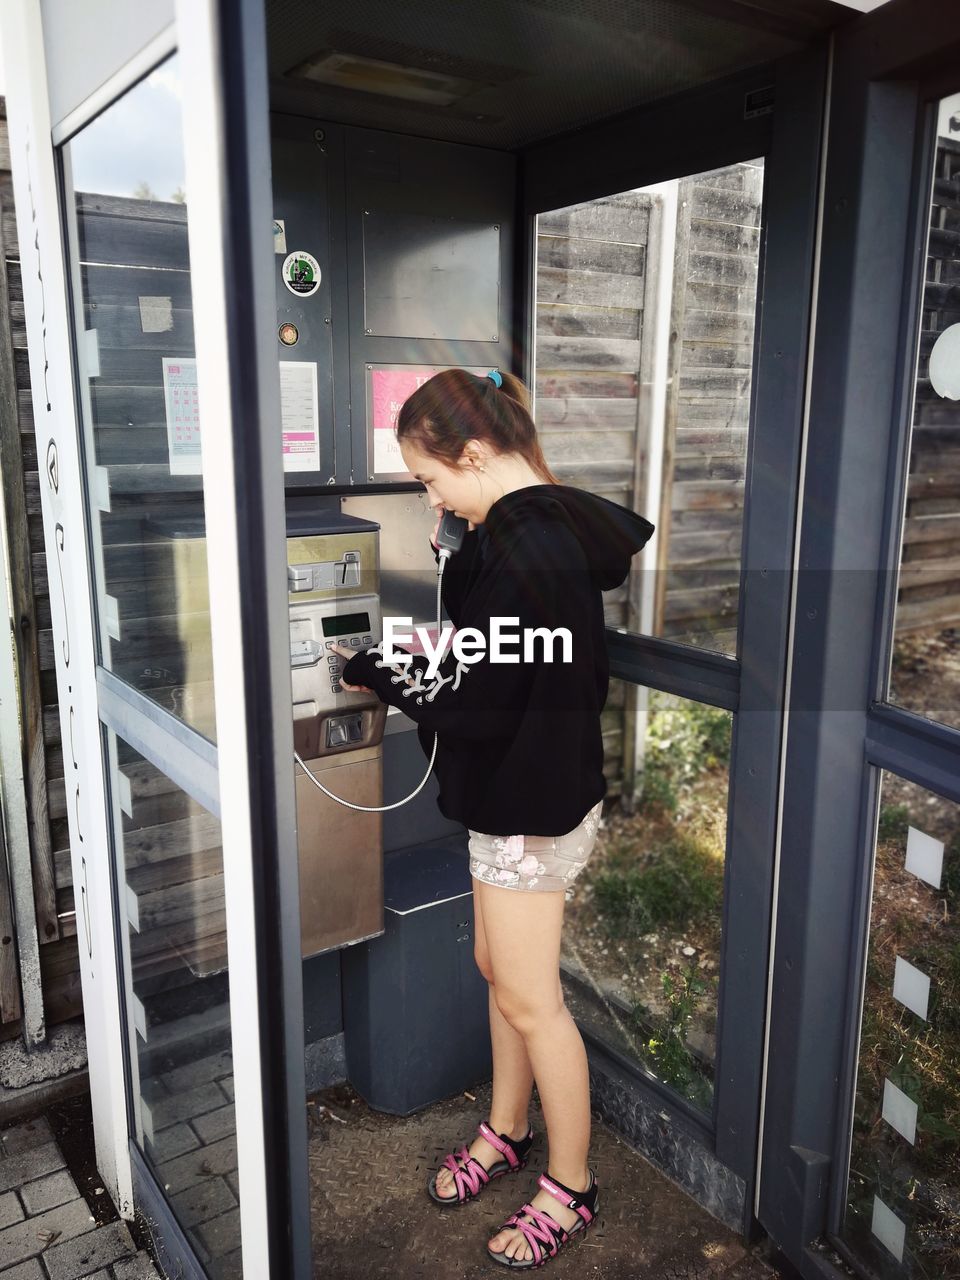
[{"x": 520, "y": 750}]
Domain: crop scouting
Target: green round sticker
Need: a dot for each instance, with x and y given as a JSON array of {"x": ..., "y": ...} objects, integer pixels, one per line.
[{"x": 301, "y": 273}]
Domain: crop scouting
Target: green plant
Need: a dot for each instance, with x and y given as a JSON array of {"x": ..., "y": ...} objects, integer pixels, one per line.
[
  {"x": 667, "y": 1047},
  {"x": 684, "y": 740},
  {"x": 681, "y": 883},
  {"x": 893, "y": 823}
]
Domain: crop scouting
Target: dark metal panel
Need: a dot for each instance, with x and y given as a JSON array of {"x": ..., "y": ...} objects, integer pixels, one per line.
[
  {"x": 656, "y": 1124},
  {"x": 921, "y": 750},
  {"x": 430, "y": 277},
  {"x": 667, "y": 139},
  {"x": 675, "y": 668},
  {"x": 301, "y": 160},
  {"x": 398, "y": 178}
]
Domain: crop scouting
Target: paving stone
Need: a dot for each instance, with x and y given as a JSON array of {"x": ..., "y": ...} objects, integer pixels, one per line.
[
  {"x": 27, "y": 1165},
  {"x": 186, "y": 1105},
  {"x": 29, "y": 1270},
  {"x": 139, "y": 1267},
  {"x": 172, "y": 1142},
  {"x": 153, "y": 1089},
  {"x": 24, "y": 1137},
  {"x": 47, "y": 1193},
  {"x": 215, "y": 1160},
  {"x": 28, "y": 1238},
  {"x": 10, "y": 1210},
  {"x": 96, "y": 1249},
  {"x": 216, "y": 1125},
  {"x": 228, "y": 1268},
  {"x": 208, "y": 1199},
  {"x": 221, "y": 1235},
  {"x": 200, "y": 1072},
  {"x": 227, "y": 1086}
]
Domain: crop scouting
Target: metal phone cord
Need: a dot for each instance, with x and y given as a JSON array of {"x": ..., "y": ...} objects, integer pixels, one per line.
[{"x": 382, "y": 808}]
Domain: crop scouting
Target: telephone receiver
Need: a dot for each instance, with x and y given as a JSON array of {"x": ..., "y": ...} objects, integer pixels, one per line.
[{"x": 450, "y": 534}]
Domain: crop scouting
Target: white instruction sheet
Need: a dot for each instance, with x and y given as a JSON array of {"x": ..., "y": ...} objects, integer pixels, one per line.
[
  {"x": 182, "y": 410},
  {"x": 300, "y": 415}
]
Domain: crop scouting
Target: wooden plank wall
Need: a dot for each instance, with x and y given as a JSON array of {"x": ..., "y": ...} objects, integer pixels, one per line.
[
  {"x": 59, "y": 963},
  {"x": 715, "y": 295},
  {"x": 591, "y": 295},
  {"x": 929, "y": 594}
]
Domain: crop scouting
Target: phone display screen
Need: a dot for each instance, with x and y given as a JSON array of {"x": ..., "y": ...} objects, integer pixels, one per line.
[{"x": 344, "y": 624}]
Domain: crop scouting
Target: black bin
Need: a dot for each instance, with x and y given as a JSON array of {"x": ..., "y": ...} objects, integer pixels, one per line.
[{"x": 415, "y": 1007}]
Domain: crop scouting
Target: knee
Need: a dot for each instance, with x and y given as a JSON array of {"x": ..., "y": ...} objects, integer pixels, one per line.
[{"x": 525, "y": 1010}]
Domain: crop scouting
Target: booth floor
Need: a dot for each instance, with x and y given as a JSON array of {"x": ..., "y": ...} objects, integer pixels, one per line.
[{"x": 373, "y": 1218}]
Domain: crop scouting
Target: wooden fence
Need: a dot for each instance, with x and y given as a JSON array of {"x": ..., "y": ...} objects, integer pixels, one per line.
[
  {"x": 929, "y": 594},
  {"x": 40, "y": 725}
]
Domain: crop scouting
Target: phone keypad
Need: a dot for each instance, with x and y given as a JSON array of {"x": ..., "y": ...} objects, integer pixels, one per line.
[{"x": 336, "y": 662}]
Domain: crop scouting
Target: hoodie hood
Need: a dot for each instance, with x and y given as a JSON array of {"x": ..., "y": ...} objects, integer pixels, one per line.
[{"x": 609, "y": 533}]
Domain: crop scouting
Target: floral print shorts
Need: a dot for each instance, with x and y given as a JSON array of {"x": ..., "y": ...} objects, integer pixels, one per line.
[{"x": 540, "y": 863}]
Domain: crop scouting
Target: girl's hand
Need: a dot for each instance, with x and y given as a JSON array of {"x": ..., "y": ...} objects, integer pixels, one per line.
[{"x": 345, "y": 652}]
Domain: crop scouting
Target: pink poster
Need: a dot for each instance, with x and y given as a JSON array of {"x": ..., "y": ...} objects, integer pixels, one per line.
[
  {"x": 388, "y": 389},
  {"x": 391, "y": 387}
]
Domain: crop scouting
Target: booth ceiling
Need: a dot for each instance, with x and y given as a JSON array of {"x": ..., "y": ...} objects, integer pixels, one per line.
[{"x": 517, "y": 71}]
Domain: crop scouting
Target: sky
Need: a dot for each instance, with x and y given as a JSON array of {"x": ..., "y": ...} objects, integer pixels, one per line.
[{"x": 139, "y": 139}]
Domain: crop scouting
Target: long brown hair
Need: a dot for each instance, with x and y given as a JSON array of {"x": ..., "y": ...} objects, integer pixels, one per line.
[{"x": 455, "y": 406}]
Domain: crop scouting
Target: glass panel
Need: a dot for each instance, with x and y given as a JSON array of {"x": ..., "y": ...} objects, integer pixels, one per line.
[
  {"x": 640, "y": 951},
  {"x": 903, "y": 1194},
  {"x": 130, "y": 265},
  {"x": 651, "y": 289},
  {"x": 174, "y": 945},
  {"x": 925, "y": 668}
]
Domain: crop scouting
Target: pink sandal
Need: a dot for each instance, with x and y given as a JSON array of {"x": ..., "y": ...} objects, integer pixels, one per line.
[
  {"x": 543, "y": 1230},
  {"x": 469, "y": 1176}
]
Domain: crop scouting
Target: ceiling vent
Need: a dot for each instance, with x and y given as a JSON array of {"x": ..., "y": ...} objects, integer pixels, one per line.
[{"x": 388, "y": 79}]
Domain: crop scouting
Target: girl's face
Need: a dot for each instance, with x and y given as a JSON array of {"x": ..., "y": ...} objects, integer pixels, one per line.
[{"x": 456, "y": 489}]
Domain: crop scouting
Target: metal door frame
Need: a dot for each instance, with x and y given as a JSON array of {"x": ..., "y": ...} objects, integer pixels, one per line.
[
  {"x": 871, "y": 268},
  {"x": 222, "y": 47},
  {"x": 667, "y": 140}
]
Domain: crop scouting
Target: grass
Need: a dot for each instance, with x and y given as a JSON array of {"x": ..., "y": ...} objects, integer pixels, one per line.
[
  {"x": 680, "y": 884},
  {"x": 662, "y": 878}
]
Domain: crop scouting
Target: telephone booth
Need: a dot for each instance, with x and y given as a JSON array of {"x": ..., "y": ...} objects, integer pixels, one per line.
[{"x": 719, "y": 241}]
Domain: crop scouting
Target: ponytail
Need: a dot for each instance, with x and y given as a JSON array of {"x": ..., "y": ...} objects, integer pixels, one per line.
[{"x": 454, "y": 407}]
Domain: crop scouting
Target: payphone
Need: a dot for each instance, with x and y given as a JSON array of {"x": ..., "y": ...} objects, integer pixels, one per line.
[{"x": 333, "y": 583}]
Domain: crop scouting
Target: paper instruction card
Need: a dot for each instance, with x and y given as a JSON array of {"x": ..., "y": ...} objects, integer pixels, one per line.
[
  {"x": 300, "y": 415},
  {"x": 182, "y": 410}
]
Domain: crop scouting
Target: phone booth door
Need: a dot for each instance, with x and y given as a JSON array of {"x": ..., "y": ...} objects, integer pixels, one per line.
[{"x": 146, "y": 251}]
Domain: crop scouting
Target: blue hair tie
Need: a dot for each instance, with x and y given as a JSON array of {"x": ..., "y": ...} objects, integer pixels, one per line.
[{"x": 495, "y": 376}]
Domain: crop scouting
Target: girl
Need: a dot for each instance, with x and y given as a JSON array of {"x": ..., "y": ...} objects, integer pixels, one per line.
[{"x": 519, "y": 750}]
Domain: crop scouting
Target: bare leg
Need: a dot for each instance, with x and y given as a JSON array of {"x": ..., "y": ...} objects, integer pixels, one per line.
[
  {"x": 523, "y": 936},
  {"x": 512, "y": 1073}
]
